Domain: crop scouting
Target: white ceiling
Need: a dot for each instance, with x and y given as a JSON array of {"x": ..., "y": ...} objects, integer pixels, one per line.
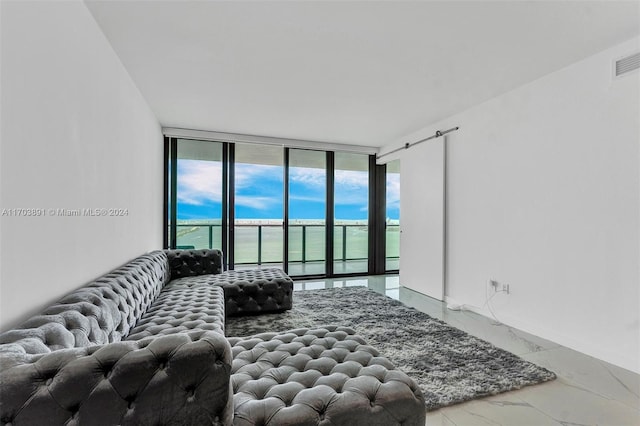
[{"x": 362, "y": 73}]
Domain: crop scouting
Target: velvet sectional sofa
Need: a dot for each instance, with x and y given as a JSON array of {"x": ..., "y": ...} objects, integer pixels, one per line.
[{"x": 145, "y": 345}]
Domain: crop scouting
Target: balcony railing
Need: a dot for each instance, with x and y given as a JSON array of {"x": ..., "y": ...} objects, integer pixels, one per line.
[{"x": 306, "y": 241}]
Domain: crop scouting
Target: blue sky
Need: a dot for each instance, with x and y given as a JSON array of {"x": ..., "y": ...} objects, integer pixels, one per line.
[{"x": 259, "y": 192}]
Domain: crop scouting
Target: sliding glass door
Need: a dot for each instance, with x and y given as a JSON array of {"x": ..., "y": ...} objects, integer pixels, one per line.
[
  {"x": 199, "y": 194},
  {"x": 259, "y": 208},
  {"x": 392, "y": 222},
  {"x": 351, "y": 213},
  {"x": 307, "y": 182}
]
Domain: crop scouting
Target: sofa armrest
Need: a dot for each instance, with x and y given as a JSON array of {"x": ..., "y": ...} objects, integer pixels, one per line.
[
  {"x": 176, "y": 379},
  {"x": 187, "y": 263}
]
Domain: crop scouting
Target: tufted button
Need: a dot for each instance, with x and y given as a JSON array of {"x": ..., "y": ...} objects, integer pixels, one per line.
[{"x": 48, "y": 381}]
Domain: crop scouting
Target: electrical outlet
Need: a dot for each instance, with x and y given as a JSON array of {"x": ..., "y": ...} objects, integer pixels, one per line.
[{"x": 498, "y": 287}]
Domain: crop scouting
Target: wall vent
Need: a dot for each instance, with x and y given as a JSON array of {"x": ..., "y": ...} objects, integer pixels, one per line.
[{"x": 627, "y": 64}]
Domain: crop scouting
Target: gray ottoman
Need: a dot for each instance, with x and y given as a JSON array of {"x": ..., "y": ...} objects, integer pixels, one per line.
[
  {"x": 246, "y": 292},
  {"x": 327, "y": 376}
]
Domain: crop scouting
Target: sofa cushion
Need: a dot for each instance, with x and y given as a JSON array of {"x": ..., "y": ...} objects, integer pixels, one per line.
[
  {"x": 101, "y": 312},
  {"x": 322, "y": 376},
  {"x": 249, "y": 291},
  {"x": 182, "y": 309}
]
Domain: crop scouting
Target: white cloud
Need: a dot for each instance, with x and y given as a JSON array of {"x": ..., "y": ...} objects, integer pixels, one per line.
[
  {"x": 199, "y": 181},
  {"x": 308, "y": 176},
  {"x": 307, "y": 198},
  {"x": 352, "y": 188},
  {"x": 254, "y": 175},
  {"x": 393, "y": 190},
  {"x": 248, "y": 174},
  {"x": 346, "y": 179},
  {"x": 352, "y": 180},
  {"x": 260, "y": 203}
]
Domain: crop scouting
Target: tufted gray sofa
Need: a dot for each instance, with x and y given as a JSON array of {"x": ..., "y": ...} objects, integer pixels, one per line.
[{"x": 145, "y": 345}]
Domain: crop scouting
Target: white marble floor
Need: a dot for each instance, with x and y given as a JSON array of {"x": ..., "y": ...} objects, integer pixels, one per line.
[{"x": 587, "y": 391}]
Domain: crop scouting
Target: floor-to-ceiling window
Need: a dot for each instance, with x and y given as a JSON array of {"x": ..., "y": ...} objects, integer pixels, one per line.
[
  {"x": 351, "y": 213},
  {"x": 309, "y": 212},
  {"x": 198, "y": 196},
  {"x": 307, "y": 183},
  {"x": 392, "y": 220},
  {"x": 259, "y": 198}
]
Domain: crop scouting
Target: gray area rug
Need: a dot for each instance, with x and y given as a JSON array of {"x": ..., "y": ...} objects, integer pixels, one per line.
[{"x": 450, "y": 365}]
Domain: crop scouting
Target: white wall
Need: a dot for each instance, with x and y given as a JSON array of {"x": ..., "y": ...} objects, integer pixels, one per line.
[
  {"x": 544, "y": 195},
  {"x": 76, "y": 133}
]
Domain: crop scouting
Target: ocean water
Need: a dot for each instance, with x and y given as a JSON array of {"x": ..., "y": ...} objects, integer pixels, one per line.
[{"x": 350, "y": 239}]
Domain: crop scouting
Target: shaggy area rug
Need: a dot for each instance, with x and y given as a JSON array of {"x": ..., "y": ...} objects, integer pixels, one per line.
[{"x": 450, "y": 365}]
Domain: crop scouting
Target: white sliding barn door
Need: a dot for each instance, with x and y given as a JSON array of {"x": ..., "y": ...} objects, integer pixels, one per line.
[{"x": 422, "y": 217}]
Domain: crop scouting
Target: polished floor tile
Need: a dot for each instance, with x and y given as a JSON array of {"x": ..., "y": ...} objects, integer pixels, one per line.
[
  {"x": 504, "y": 409},
  {"x": 570, "y": 404},
  {"x": 587, "y": 392},
  {"x": 587, "y": 372}
]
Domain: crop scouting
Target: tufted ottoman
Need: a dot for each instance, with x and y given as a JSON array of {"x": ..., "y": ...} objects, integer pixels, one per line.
[
  {"x": 327, "y": 376},
  {"x": 253, "y": 291}
]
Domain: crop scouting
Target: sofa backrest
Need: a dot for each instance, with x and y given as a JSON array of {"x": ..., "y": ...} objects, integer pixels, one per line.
[
  {"x": 101, "y": 312},
  {"x": 187, "y": 263}
]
